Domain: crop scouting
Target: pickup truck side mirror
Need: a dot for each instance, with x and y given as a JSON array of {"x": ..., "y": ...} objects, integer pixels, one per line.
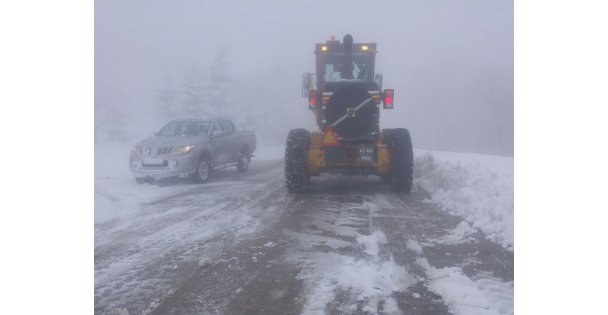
[{"x": 217, "y": 134}]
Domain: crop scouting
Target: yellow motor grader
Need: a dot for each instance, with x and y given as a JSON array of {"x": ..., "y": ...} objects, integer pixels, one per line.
[{"x": 345, "y": 94}]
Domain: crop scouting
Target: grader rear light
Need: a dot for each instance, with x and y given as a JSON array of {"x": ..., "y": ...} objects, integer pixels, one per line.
[
  {"x": 313, "y": 101},
  {"x": 388, "y": 98}
]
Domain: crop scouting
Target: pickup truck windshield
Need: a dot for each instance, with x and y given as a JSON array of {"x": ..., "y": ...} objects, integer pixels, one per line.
[{"x": 184, "y": 128}]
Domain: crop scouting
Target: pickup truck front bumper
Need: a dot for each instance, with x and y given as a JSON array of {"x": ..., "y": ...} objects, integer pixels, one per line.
[{"x": 162, "y": 165}]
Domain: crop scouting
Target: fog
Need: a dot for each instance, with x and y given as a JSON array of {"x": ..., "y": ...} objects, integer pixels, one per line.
[{"x": 450, "y": 63}]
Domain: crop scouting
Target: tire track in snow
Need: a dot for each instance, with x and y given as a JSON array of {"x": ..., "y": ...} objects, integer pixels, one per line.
[
  {"x": 350, "y": 246},
  {"x": 359, "y": 275},
  {"x": 474, "y": 275},
  {"x": 155, "y": 251}
]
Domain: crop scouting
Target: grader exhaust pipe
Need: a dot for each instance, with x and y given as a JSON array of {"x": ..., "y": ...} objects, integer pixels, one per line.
[{"x": 347, "y": 66}]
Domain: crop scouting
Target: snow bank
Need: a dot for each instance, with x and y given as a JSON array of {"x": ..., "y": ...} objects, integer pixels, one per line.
[
  {"x": 469, "y": 296},
  {"x": 475, "y": 186}
]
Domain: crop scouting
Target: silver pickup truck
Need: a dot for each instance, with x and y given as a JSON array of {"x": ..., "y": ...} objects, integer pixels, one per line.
[{"x": 192, "y": 148}]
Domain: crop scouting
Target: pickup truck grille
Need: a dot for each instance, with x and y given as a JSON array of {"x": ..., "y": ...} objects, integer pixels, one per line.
[
  {"x": 162, "y": 151},
  {"x": 155, "y": 151}
]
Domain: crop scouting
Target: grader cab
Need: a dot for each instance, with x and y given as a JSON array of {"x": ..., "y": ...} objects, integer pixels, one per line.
[{"x": 345, "y": 95}]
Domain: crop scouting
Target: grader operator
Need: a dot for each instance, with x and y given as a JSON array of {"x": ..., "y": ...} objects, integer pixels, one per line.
[{"x": 345, "y": 95}]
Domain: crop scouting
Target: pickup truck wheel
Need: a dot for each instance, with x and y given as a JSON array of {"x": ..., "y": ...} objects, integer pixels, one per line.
[
  {"x": 140, "y": 180},
  {"x": 402, "y": 160},
  {"x": 203, "y": 170},
  {"x": 296, "y": 151},
  {"x": 243, "y": 164}
]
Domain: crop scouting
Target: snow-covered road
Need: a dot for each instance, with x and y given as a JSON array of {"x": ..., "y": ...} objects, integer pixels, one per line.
[{"x": 242, "y": 245}]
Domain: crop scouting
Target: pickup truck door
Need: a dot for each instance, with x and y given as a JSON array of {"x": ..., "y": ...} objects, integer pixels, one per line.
[
  {"x": 233, "y": 144},
  {"x": 220, "y": 144}
]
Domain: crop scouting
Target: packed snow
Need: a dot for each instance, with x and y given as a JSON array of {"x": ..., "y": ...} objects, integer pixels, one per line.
[
  {"x": 477, "y": 187},
  {"x": 372, "y": 278},
  {"x": 119, "y": 196},
  {"x": 461, "y": 234}
]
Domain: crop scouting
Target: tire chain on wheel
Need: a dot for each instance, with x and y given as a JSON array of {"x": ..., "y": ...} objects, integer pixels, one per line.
[
  {"x": 386, "y": 135},
  {"x": 402, "y": 158},
  {"x": 296, "y": 151}
]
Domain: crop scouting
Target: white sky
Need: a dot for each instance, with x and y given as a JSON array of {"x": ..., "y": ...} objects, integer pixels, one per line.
[{"x": 450, "y": 62}]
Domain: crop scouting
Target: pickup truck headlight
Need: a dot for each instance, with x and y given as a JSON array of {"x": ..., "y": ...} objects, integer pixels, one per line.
[
  {"x": 136, "y": 150},
  {"x": 181, "y": 150}
]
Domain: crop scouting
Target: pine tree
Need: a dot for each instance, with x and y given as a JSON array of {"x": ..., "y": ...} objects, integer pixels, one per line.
[{"x": 218, "y": 87}]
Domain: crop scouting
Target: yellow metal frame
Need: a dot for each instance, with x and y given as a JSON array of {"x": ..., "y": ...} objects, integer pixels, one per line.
[{"x": 316, "y": 159}]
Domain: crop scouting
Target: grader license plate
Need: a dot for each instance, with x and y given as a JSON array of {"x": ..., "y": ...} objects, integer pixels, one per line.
[{"x": 366, "y": 153}]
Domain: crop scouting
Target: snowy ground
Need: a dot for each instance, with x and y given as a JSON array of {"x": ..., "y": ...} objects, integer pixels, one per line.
[
  {"x": 241, "y": 244},
  {"x": 117, "y": 195},
  {"x": 474, "y": 186}
]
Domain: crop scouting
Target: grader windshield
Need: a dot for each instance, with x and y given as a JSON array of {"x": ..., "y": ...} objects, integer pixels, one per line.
[
  {"x": 332, "y": 68},
  {"x": 334, "y": 65}
]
